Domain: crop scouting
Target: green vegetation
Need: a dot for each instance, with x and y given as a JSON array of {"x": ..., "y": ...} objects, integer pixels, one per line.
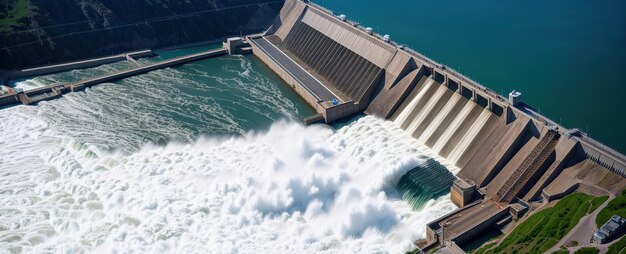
[
  {"x": 12, "y": 13},
  {"x": 561, "y": 252},
  {"x": 618, "y": 247},
  {"x": 617, "y": 206},
  {"x": 587, "y": 250},
  {"x": 544, "y": 229}
]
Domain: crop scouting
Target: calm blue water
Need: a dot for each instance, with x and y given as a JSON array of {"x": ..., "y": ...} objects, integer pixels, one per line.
[{"x": 566, "y": 57}]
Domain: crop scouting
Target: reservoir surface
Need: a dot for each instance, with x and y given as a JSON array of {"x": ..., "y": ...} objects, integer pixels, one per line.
[{"x": 566, "y": 57}]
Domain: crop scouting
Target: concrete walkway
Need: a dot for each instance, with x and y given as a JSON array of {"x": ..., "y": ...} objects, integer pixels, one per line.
[
  {"x": 310, "y": 83},
  {"x": 51, "y": 92},
  {"x": 143, "y": 69},
  {"x": 80, "y": 64}
]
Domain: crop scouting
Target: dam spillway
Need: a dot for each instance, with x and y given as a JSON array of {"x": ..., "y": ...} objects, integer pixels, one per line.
[
  {"x": 445, "y": 121},
  {"x": 427, "y": 181},
  {"x": 505, "y": 151},
  {"x": 364, "y": 72}
]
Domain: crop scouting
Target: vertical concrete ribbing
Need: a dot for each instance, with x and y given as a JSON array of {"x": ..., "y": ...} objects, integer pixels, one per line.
[
  {"x": 359, "y": 80},
  {"x": 330, "y": 66},
  {"x": 337, "y": 63},
  {"x": 348, "y": 72}
]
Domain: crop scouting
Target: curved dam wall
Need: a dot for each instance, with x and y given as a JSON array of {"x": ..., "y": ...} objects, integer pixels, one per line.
[
  {"x": 49, "y": 32},
  {"x": 384, "y": 80}
]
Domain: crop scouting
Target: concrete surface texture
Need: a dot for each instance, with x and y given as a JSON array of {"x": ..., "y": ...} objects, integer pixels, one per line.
[{"x": 313, "y": 85}]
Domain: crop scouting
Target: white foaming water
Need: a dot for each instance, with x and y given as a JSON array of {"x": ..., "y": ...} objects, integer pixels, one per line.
[
  {"x": 293, "y": 189},
  {"x": 223, "y": 96},
  {"x": 450, "y": 129},
  {"x": 419, "y": 118},
  {"x": 436, "y": 122},
  {"x": 402, "y": 118},
  {"x": 474, "y": 130}
]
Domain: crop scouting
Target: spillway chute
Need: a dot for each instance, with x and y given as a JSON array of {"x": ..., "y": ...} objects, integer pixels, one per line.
[{"x": 429, "y": 180}]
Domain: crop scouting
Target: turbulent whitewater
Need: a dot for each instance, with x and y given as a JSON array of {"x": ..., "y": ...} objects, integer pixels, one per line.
[{"x": 86, "y": 173}]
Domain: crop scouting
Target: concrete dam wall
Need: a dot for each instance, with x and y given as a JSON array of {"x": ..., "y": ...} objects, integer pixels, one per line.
[
  {"x": 505, "y": 153},
  {"x": 360, "y": 71},
  {"x": 366, "y": 73},
  {"x": 341, "y": 67}
]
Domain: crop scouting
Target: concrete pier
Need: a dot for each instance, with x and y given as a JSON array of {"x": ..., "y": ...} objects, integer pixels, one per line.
[
  {"x": 37, "y": 71},
  {"x": 132, "y": 60},
  {"x": 50, "y": 92},
  {"x": 143, "y": 69}
]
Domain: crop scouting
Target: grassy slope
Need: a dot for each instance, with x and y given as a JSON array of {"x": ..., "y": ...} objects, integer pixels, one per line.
[
  {"x": 616, "y": 206},
  {"x": 16, "y": 10},
  {"x": 597, "y": 202},
  {"x": 544, "y": 229}
]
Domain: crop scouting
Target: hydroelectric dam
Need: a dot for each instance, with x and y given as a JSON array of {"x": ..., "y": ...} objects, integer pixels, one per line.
[{"x": 508, "y": 155}]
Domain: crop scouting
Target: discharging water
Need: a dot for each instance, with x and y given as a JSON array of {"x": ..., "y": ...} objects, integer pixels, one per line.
[
  {"x": 430, "y": 118},
  {"x": 208, "y": 157}
]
